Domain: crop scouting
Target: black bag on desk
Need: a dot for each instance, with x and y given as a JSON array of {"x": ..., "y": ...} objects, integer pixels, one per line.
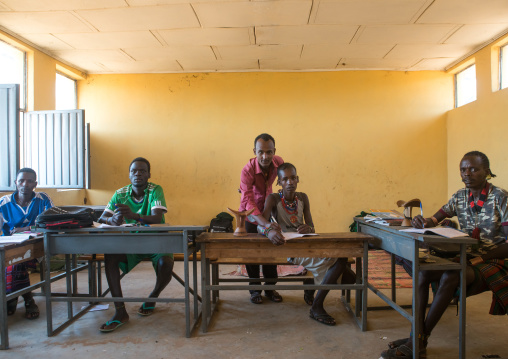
[
  {"x": 222, "y": 223},
  {"x": 66, "y": 217}
]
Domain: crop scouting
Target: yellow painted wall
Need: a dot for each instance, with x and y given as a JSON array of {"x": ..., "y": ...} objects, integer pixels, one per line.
[
  {"x": 359, "y": 139},
  {"x": 481, "y": 125}
]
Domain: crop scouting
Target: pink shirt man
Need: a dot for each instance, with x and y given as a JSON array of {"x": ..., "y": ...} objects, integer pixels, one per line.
[{"x": 255, "y": 187}]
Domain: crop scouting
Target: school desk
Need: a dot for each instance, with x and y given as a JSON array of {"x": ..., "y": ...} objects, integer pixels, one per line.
[
  {"x": 407, "y": 245},
  {"x": 217, "y": 248}
]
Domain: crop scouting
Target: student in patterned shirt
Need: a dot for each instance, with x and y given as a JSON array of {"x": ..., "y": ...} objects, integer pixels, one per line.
[
  {"x": 142, "y": 202},
  {"x": 18, "y": 212},
  {"x": 482, "y": 211}
]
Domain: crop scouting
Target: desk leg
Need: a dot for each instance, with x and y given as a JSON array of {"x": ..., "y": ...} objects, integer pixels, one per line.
[
  {"x": 186, "y": 283},
  {"x": 4, "y": 340},
  {"x": 204, "y": 292},
  {"x": 365, "y": 280},
  {"x": 195, "y": 281},
  {"x": 416, "y": 299},
  {"x": 462, "y": 315},
  {"x": 392, "y": 266},
  {"x": 47, "y": 286},
  {"x": 69, "y": 284}
]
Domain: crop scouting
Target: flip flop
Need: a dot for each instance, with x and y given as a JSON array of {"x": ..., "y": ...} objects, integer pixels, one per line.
[
  {"x": 108, "y": 323},
  {"x": 308, "y": 297},
  {"x": 150, "y": 309},
  {"x": 32, "y": 310},
  {"x": 273, "y": 296},
  {"x": 11, "y": 306},
  {"x": 255, "y": 298},
  {"x": 325, "y": 319},
  {"x": 397, "y": 343},
  {"x": 406, "y": 352}
]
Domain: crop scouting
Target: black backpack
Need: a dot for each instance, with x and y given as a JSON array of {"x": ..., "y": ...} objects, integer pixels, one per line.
[
  {"x": 65, "y": 217},
  {"x": 222, "y": 223}
]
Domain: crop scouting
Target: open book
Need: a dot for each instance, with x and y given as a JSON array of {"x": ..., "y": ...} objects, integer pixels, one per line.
[
  {"x": 18, "y": 237},
  {"x": 441, "y": 231},
  {"x": 292, "y": 235}
]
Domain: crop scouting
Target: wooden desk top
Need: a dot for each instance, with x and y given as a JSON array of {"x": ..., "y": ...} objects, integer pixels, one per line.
[
  {"x": 252, "y": 237},
  {"x": 21, "y": 252}
]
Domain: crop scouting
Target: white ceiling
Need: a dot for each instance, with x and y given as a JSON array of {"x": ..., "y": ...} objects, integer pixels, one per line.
[{"x": 157, "y": 36}]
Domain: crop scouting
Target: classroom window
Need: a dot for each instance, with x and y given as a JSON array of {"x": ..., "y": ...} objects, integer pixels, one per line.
[
  {"x": 503, "y": 54},
  {"x": 55, "y": 145},
  {"x": 13, "y": 69},
  {"x": 465, "y": 86},
  {"x": 65, "y": 93}
]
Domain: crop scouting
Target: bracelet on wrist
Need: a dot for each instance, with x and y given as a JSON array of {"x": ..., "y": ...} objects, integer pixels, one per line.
[{"x": 434, "y": 220}]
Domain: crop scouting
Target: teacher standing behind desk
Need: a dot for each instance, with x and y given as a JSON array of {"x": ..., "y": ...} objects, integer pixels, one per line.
[
  {"x": 256, "y": 183},
  {"x": 482, "y": 211}
]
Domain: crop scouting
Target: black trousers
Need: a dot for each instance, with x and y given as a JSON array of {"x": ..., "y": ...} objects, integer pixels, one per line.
[{"x": 269, "y": 271}]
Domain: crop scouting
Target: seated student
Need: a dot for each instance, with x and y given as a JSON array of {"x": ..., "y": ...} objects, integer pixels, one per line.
[
  {"x": 142, "y": 202},
  {"x": 291, "y": 209},
  {"x": 482, "y": 211},
  {"x": 18, "y": 212}
]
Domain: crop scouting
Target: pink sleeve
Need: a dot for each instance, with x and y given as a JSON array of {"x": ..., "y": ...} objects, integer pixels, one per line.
[{"x": 247, "y": 201}]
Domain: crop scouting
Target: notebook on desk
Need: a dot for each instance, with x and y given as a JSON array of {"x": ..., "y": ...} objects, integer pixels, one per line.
[{"x": 440, "y": 231}]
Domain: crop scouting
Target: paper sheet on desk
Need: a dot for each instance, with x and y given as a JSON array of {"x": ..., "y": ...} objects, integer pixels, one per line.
[
  {"x": 441, "y": 231},
  {"x": 17, "y": 237},
  {"x": 103, "y": 225},
  {"x": 292, "y": 235}
]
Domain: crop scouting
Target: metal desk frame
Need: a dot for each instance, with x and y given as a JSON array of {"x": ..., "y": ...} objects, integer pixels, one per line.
[
  {"x": 16, "y": 253},
  {"x": 261, "y": 247},
  {"x": 154, "y": 239},
  {"x": 407, "y": 245}
]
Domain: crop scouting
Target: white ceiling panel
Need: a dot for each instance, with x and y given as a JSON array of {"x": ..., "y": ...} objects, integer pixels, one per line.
[
  {"x": 428, "y": 51},
  {"x": 38, "y": 5},
  {"x": 141, "y": 18},
  {"x": 351, "y": 51},
  {"x": 135, "y": 36},
  {"x": 47, "y": 41},
  {"x": 376, "y": 64},
  {"x": 404, "y": 34},
  {"x": 466, "y": 12},
  {"x": 476, "y": 34},
  {"x": 110, "y": 40},
  {"x": 97, "y": 56},
  {"x": 432, "y": 64},
  {"x": 259, "y": 52},
  {"x": 42, "y": 22},
  {"x": 298, "y": 64},
  {"x": 242, "y": 14},
  {"x": 152, "y": 66},
  {"x": 305, "y": 34},
  {"x": 173, "y": 53},
  {"x": 198, "y": 65},
  {"x": 209, "y": 36},
  {"x": 167, "y": 2},
  {"x": 364, "y": 12}
]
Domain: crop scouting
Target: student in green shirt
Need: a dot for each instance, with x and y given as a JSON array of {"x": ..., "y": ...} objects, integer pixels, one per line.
[{"x": 141, "y": 202}]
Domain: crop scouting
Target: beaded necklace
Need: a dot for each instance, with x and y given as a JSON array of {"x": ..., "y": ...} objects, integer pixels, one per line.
[{"x": 289, "y": 207}]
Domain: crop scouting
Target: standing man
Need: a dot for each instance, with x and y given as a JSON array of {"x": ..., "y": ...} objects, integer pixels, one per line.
[
  {"x": 142, "y": 202},
  {"x": 18, "y": 212},
  {"x": 256, "y": 182}
]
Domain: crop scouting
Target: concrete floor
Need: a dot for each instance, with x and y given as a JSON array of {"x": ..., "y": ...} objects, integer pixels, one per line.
[{"x": 244, "y": 330}]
